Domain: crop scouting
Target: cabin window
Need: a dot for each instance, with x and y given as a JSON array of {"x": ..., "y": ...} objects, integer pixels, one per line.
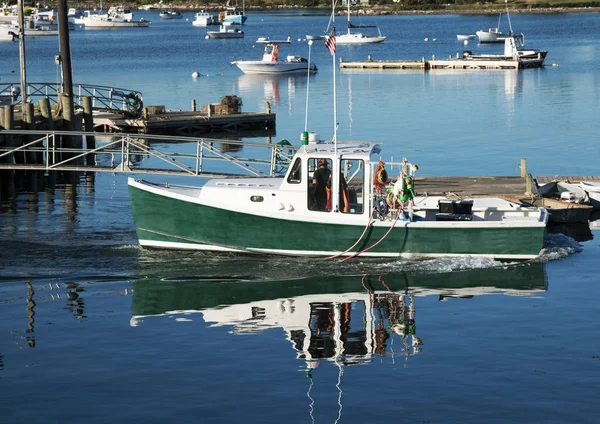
[
  {"x": 319, "y": 171},
  {"x": 352, "y": 193},
  {"x": 295, "y": 176}
]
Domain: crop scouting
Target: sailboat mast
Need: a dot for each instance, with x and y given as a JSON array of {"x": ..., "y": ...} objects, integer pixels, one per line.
[
  {"x": 348, "y": 3},
  {"x": 508, "y": 16}
]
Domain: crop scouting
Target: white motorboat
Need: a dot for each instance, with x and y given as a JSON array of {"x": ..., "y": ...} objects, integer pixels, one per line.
[
  {"x": 203, "y": 18},
  {"x": 8, "y": 33},
  {"x": 592, "y": 188},
  {"x": 10, "y": 95},
  {"x": 170, "y": 14},
  {"x": 465, "y": 37},
  {"x": 357, "y": 37},
  {"x": 80, "y": 17},
  {"x": 270, "y": 63},
  {"x": 117, "y": 17},
  {"x": 225, "y": 32}
]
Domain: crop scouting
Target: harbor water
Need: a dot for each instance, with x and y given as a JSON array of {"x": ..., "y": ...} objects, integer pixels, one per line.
[{"x": 95, "y": 329}]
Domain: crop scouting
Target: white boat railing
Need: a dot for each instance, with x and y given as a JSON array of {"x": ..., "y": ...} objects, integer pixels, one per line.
[{"x": 128, "y": 153}]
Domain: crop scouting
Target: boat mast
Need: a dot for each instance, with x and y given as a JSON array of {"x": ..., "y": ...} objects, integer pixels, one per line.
[
  {"x": 334, "y": 167},
  {"x": 348, "y": 3},
  {"x": 510, "y": 31}
]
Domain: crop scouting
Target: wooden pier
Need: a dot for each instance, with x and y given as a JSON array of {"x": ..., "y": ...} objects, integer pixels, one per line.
[
  {"x": 188, "y": 123},
  {"x": 224, "y": 118}
]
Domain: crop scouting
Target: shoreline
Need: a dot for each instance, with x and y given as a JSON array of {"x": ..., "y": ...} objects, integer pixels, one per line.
[{"x": 368, "y": 10}]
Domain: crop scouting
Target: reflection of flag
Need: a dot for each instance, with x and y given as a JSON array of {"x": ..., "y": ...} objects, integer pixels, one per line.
[{"x": 330, "y": 43}]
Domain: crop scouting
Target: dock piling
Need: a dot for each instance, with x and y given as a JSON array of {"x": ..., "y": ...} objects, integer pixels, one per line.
[
  {"x": 88, "y": 122},
  {"x": 523, "y": 167}
]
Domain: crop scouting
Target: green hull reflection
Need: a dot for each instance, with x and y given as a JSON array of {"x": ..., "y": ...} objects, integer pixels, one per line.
[{"x": 155, "y": 297}]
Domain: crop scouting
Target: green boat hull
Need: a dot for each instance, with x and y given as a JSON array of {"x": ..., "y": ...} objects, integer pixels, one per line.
[{"x": 165, "y": 222}]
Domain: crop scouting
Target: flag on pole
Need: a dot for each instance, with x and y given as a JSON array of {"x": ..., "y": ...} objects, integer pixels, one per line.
[{"x": 330, "y": 43}]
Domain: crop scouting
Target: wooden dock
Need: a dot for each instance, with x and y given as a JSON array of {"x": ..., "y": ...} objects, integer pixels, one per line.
[
  {"x": 188, "y": 123},
  {"x": 472, "y": 186},
  {"x": 386, "y": 64}
]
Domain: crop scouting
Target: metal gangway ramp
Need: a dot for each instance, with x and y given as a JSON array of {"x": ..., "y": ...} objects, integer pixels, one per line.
[{"x": 129, "y": 153}]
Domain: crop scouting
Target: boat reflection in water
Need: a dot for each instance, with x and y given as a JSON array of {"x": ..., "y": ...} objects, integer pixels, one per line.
[
  {"x": 347, "y": 319},
  {"x": 274, "y": 87}
]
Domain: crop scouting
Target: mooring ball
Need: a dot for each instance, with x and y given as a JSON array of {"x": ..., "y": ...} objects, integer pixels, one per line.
[
  {"x": 195, "y": 75},
  {"x": 466, "y": 42},
  {"x": 207, "y": 37}
]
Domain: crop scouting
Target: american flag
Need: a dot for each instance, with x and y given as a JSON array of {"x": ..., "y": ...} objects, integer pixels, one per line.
[{"x": 330, "y": 43}]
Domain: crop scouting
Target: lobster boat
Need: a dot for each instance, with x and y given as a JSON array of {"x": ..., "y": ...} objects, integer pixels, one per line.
[{"x": 364, "y": 213}]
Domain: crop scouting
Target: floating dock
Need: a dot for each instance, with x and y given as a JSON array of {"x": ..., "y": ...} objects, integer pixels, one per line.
[{"x": 433, "y": 64}]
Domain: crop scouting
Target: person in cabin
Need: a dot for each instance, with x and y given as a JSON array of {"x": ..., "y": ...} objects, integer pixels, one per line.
[{"x": 320, "y": 181}]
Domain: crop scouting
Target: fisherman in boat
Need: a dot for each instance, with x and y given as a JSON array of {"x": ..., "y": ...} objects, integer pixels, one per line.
[{"x": 320, "y": 181}]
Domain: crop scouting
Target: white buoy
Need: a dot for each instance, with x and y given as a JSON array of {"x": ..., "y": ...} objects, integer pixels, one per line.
[
  {"x": 434, "y": 39},
  {"x": 207, "y": 37},
  {"x": 466, "y": 42},
  {"x": 426, "y": 39},
  {"x": 195, "y": 74}
]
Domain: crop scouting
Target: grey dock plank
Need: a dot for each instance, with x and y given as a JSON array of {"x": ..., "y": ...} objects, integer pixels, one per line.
[{"x": 471, "y": 186}]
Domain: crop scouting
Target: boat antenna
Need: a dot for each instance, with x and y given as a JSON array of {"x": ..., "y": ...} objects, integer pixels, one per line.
[{"x": 310, "y": 43}]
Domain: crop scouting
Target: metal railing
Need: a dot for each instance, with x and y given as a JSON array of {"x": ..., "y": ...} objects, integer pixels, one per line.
[
  {"x": 129, "y": 153},
  {"x": 104, "y": 98}
]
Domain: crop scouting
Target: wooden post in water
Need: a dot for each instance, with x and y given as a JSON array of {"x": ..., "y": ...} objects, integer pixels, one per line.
[
  {"x": 9, "y": 124},
  {"x": 88, "y": 122},
  {"x": 67, "y": 115},
  {"x": 193, "y": 105},
  {"x": 29, "y": 124},
  {"x": 47, "y": 123},
  {"x": 7, "y": 178},
  {"x": 523, "y": 168}
]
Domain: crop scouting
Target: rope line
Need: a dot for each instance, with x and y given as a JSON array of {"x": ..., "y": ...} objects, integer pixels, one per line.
[{"x": 379, "y": 241}]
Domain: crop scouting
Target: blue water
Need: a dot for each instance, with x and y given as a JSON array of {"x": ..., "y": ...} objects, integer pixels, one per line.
[{"x": 108, "y": 332}]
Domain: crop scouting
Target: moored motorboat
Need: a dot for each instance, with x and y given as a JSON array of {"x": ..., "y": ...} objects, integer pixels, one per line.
[
  {"x": 203, "y": 18},
  {"x": 117, "y": 17},
  {"x": 8, "y": 33},
  {"x": 592, "y": 188},
  {"x": 233, "y": 16},
  {"x": 365, "y": 214},
  {"x": 465, "y": 37},
  {"x": 170, "y": 14},
  {"x": 270, "y": 63},
  {"x": 225, "y": 32}
]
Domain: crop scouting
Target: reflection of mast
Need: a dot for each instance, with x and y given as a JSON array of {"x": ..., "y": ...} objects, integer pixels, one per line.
[
  {"x": 30, "y": 314},
  {"x": 350, "y": 102}
]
